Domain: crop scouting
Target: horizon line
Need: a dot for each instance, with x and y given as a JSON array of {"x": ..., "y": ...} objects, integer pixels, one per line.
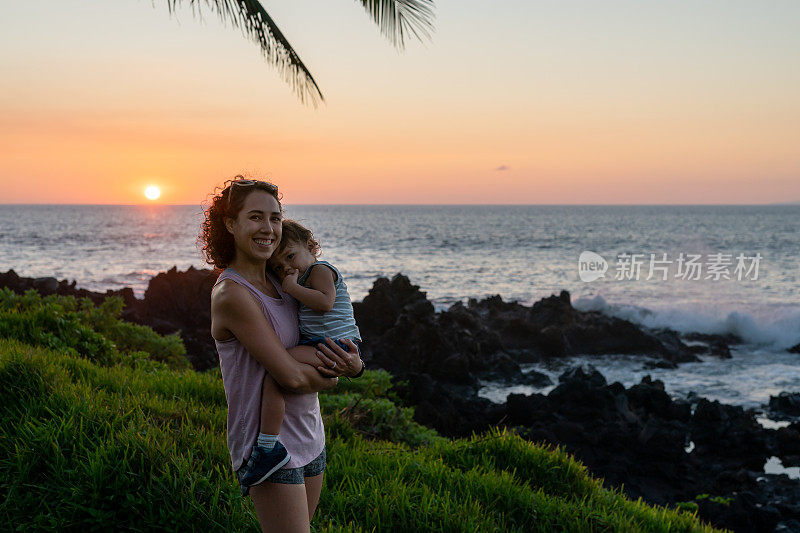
[{"x": 21, "y": 204}]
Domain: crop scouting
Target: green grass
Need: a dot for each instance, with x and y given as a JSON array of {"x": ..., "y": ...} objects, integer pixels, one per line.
[{"x": 115, "y": 439}]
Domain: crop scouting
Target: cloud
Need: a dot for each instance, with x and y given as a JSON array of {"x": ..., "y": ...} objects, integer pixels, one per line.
[{"x": 503, "y": 167}]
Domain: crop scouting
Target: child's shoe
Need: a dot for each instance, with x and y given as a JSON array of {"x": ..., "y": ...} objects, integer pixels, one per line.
[{"x": 262, "y": 464}]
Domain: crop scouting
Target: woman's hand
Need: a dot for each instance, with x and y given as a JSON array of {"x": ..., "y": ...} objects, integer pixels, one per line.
[{"x": 337, "y": 362}]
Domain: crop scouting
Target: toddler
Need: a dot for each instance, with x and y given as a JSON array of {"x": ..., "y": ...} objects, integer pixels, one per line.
[{"x": 324, "y": 310}]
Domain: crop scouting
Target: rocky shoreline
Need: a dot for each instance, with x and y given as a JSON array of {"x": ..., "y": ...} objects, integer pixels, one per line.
[{"x": 662, "y": 450}]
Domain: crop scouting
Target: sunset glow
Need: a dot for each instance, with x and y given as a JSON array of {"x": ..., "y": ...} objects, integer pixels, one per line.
[{"x": 587, "y": 102}]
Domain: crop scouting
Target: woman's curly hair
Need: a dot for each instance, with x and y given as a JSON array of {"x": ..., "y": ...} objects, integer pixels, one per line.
[{"x": 218, "y": 245}]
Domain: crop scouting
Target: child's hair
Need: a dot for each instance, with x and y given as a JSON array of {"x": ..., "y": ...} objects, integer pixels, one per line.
[{"x": 293, "y": 232}]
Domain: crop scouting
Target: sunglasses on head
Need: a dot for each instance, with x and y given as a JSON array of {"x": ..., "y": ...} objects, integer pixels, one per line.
[
  {"x": 264, "y": 185},
  {"x": 245, "y": 183}
]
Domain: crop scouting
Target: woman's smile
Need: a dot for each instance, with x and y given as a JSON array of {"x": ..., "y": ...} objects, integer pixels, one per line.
[{"x": 264, "y": 247}]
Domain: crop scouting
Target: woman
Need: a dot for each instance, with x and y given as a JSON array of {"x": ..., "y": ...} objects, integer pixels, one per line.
[{"x": 254, "y": 323}]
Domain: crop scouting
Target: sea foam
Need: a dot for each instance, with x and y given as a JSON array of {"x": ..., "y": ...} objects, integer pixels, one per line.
[{"x": 775, "y": 328}]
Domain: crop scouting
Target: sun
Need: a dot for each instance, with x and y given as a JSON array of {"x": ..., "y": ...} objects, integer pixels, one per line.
[{"x": 152, "y": 192}]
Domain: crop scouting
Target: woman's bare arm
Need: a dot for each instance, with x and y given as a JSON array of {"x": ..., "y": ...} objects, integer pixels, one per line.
[{"x": 234, "y": 310}]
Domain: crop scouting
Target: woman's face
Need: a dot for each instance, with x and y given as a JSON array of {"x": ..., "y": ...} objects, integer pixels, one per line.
[{"x": 257, "y": 227}]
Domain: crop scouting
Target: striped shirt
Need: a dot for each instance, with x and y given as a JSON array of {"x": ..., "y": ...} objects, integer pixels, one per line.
[{"x": 338, "y": 323}]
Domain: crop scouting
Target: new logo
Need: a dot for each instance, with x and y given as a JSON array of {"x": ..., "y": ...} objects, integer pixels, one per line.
[{"x": 591, "y": 266}]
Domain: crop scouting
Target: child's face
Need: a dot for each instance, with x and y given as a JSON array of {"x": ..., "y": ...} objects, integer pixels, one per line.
[{"x": 296, "y": 256}]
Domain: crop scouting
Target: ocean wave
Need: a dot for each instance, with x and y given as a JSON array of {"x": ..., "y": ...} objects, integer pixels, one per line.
[{"x": 776, "y": 328}]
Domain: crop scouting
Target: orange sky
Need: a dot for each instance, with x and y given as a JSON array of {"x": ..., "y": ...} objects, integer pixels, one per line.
[{"x": 620, "y": 104}]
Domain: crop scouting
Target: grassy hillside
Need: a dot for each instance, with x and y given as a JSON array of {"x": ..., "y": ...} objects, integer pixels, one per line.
[{"x": 103, "y": 426}]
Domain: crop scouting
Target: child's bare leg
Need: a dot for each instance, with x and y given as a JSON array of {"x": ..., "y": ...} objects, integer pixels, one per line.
[
  {"x": 305, "y": 354},
  {"x": 272, "y": 407},
  {"x": 268, "y": 455}
]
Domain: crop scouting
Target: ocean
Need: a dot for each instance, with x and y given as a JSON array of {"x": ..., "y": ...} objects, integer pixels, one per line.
[{"x": 743, "y": 277}]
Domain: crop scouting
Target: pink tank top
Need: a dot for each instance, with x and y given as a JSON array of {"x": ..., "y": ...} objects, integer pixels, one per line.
[{"x": 302, "y": 431}]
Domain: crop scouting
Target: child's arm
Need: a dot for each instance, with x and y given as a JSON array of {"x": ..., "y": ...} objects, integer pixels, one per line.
[{"x": 320, "y": 293}]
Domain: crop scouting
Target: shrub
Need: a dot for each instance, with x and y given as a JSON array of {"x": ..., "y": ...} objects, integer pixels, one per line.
[{"x": 79, "y": 327}]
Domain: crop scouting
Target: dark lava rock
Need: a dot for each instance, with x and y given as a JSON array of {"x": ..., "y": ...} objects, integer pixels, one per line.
[
  {"x": 9, "y": 279},
  {"x": 414, "y": 346},
  {"x": 552, "y": 342},
  {"x": 789, "y": 526},
  {"x": 184, "y": 297},
  {"x": 584, "y": 401},
  {"x": 719, "y": 349},
  {"x": 716, "y": 345},
  {"x": 535, "y": 379},
  {"x": 510, "y": 320},
  {"x": 46, "y": 285},
  {"x": 470, "y": 335},
  {"x": 504, "y": 369},
  {"x": 455, "y": 346},
  {"x": 787, "y": 444},
  {"x": 455, "y": 411},
  {"x": 386, "y": 301},
  {"x": 181, "y": 302},
  {"x": 698, "y": 348},
  {"x": 633, "y": 438},
  {"x": 673, "y": 344},
  {"x": 636, "y": 437},
  {"x": 649, "y": 396},
  {"x": 404, "y": 335},
  {"x": 591, "y": 376},
  {"x": 526, "y": 410},
  {"x": 554, "y": 311},
  {"x": 524, "y": 356},
  {"x": 785, "y": 403},
  {"x": 553, "y": 328},
  {"x": 795, "y": 348},
  {"x": 744, "y": 512},
  {"x": 708, "y": 338},
  {"x": 659, "y": 363},
  {"x": 729, "y": 434},
  {"x": 620, "y": 440}
]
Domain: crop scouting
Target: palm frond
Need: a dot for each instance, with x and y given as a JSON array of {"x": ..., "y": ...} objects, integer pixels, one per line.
[
  {"x": 399, "y": 18},
  {"x": 254, "y": 21}
]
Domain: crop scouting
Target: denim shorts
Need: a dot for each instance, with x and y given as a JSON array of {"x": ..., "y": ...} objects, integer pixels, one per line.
[{"x": 295, "y": 476}]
